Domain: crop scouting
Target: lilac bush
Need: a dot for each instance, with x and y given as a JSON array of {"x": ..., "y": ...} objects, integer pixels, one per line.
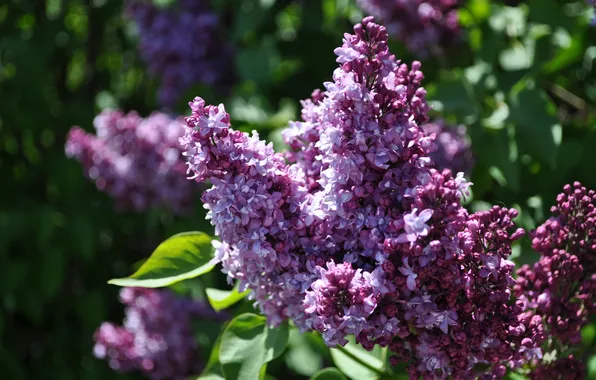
[
  {"x": 181, "y": 46},
  {"x": 357, "y": 232},
  {"x": 156, "y": 337},
  {"x": 454, "y": 148},
  {"x": 425, "y": 26},
  {"x": 138, "y": 162}
]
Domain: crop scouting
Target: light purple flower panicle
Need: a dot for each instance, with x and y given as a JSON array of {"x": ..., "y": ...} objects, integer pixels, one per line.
[
  {"x": 138, "y": 162},
  {"x": 357, "y": 232}
]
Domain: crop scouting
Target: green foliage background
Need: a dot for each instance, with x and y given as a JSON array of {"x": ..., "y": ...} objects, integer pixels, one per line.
[{"x": 523, "y": 79}]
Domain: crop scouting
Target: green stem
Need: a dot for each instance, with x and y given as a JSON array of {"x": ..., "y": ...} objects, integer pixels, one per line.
[
  {"x": 360, "y": 361},
  {"x": 568, "y": 97}
]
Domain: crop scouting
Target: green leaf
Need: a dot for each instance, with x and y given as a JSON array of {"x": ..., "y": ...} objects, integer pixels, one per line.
[
  {"x": 352, "y": 368},
  {"x": 455, "y": 95},
  {"x": 538, "y": 129},
  {"x": 515, "y": 376},
  {"x": 256, "y": 63},
  {"x": 53, "y": 267},
  {"x": 302, "y": 356},
  {"x": 516, "y": 57},
  {"x": 497, "y": 119},
  {"x": 479, "y": 9},
  {"x": 222, "y": 299},
  {"x": 497, "y": 155},
  {"x": 330, "y": 373},
  {"x": 181, "y": 257},
  {"x": 510, "y": 20},
  {"x": 213, "y": 370},
  {"x": 247, "y": 344},
  {"x": 591, "y": 367}
]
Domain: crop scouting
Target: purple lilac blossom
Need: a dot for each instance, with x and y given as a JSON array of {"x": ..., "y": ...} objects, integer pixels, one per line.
[
  {"x": 357, "y": 233},
  {"x": 560, "y": 287},
  {"x": 156, "y": 337},
  {"x": 138, "y": 162},
  {"x": 181, "y": 46},
  {"x": 425, "y": 26},
  {"x": 454, "y": 151}
]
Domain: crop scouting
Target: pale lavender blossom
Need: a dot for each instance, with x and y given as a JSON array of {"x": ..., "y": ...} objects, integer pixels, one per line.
[
  {"x": 408, "y": 271},
  {"x": 415, "y": 225}
]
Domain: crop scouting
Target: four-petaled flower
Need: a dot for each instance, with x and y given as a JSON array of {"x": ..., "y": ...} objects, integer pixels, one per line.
[
  {"x": 415, "y": 225},
  {"x": 408, "y": 271},
  {"x": 463, "y": 186}
]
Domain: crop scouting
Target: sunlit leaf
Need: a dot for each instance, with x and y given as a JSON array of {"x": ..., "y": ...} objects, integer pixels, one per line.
[
  {"x": 222, "y": 299},
  {"x": 181, "y": 257},
  {"x": 247, "y": 344}
]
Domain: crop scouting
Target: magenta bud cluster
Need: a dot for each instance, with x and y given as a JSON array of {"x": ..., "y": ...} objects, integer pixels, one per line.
[
  {"x": 560, "y": 289},
  {"x": 454, "y": 148},
  {"x": 156, "y": 337},
  {"x": 137, "y": 161},
  {"x": 426, "y": 27},
  {"x": 355, "y": 232},
  {"x": 182, "y": 46}
]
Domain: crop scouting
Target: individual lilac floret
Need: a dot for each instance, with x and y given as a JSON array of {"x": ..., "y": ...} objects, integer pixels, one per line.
[
  {"x": 415, "y": 225},
  {"x": 425, "y": 26},
  {"x": 181, "y": 46},
  {"x": 559, "y": 288},
  {"x": 454, "y": 150},
  {"x": 408, "y": 271},
  {"x": 156, "y": 337},
  {"x": 138, "y": 162}
]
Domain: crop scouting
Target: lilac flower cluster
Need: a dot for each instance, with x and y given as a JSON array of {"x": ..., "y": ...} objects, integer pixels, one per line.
[
  {"x": 181, "y": 46},
  {"x": 454, "y": 150},
  {"x": 560, "y": 287},
  {"x": 357, "y": 233},
  {"x": 425, "y": 26},
  {"x": 156, "y": 337},
  {"x": 138, "y": 162}
]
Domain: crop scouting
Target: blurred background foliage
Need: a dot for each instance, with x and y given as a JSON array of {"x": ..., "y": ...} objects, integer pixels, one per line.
[{"x": 523, "y": 79}]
